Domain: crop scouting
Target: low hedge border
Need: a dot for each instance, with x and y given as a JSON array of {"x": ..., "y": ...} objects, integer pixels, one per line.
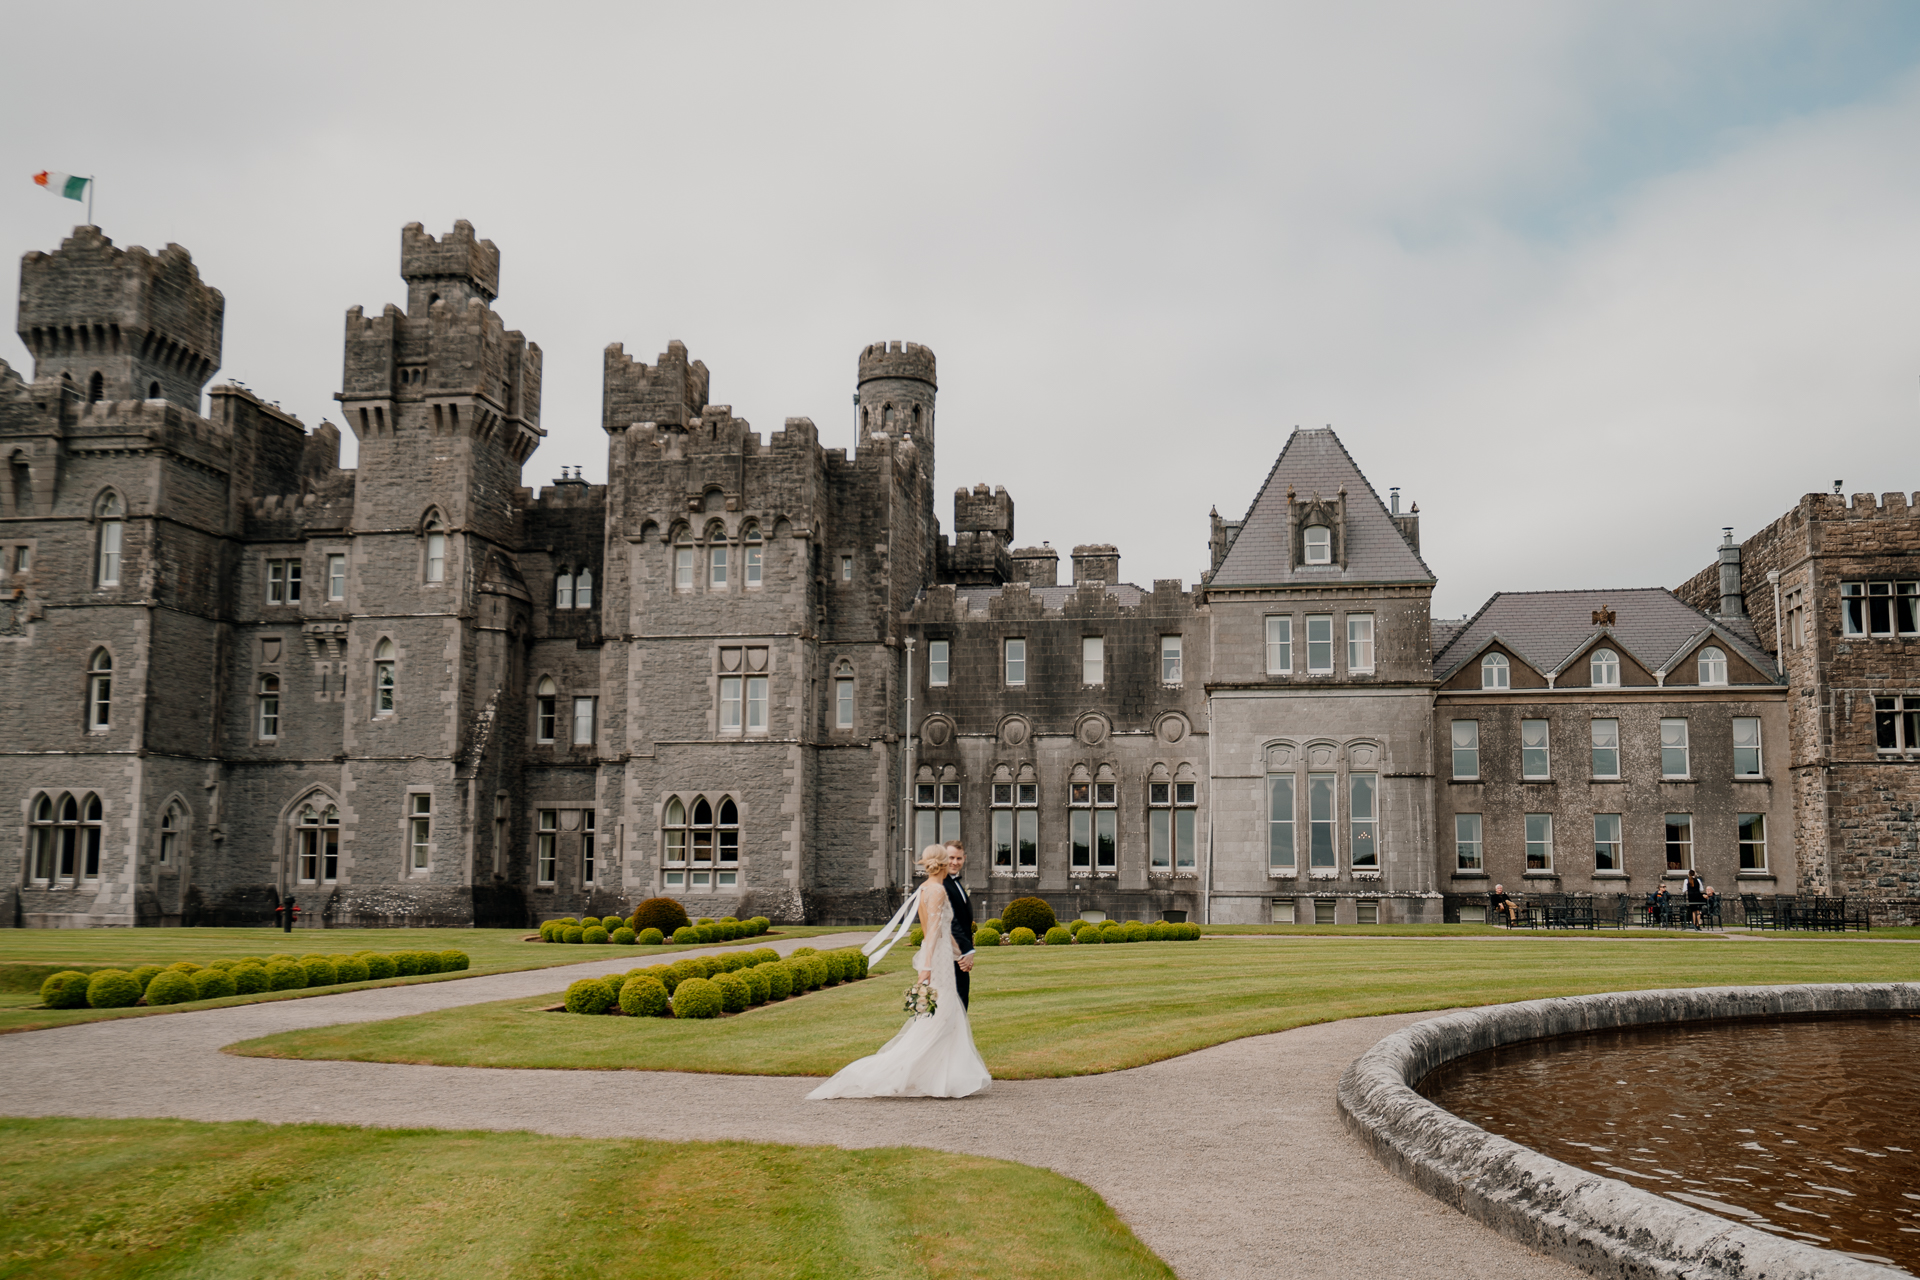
[
  {"x": 185, "y": 980},
  {"x": 713, "y": 986},
  {"x": 635, "y": 931},
  {"x": 1086, "y": 932}
]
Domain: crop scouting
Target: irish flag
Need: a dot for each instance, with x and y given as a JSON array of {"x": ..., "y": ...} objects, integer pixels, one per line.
[{"x": 62, "y": 184}]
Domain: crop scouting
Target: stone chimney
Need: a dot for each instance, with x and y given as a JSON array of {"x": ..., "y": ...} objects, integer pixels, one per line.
[
  {"x": 1037, "y": 566},
  {"x": 1733, "y": 602},
  {"x": 1096, "y": 562}
]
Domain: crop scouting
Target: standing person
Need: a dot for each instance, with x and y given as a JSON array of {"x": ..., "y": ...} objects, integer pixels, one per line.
[
  {"x": 933, "y": 1056},
  {"x": 1696, "y": 897},
  {"x": 962, "y": 920}
]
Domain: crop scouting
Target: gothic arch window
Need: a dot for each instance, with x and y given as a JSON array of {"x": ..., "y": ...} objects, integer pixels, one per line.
[
  {"x": 436, "y": 549},
  {"x": 1494, "y": 672},
  {"x": 843, "y": 695},
  {"x": 173, "y": 826},
  {"x": 563, "y": 589},
  {"x": 100, "y": 691},
  {"x": 546, "y": 712},
  {"x": 316, "y": 836},
  {"x": 719, "y": 564},
  {"x": 700, "y": 844},
  {"x": 96, "y": 388},
  {"x": 384, "y": 658},
  {"x": 89, "y": 833},
  {"x": 886, "y": 420},
  {"x": 1605, "y": 667},
  {"x": 751, "y": 556},
  {"x": 916, "y": 417},
  {"x": 583, "y": 589},
  {"x": 153, "y": 391},
  {"x": 682, "y": 558},
  {"x": 40, "y": 839},
  {"x": 112, "y": 517},
  {"x": 1713, "y": 665}
]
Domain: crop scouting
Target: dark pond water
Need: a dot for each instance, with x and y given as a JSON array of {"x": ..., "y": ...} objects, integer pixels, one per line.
[{"x": 1809, "y": 1129}]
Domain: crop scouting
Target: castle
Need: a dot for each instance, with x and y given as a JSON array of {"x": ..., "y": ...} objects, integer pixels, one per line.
[{"x": 754, "y": 673}]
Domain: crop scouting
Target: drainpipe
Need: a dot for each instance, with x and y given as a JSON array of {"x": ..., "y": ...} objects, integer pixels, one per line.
[
  {"x": 1779, "y": 654},
  {"x": 906, "y": 768},
  {"x": 1206, "y": 889}
]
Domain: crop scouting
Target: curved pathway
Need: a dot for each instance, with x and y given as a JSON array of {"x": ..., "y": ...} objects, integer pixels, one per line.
[{"x": 1230, "y": 1162}]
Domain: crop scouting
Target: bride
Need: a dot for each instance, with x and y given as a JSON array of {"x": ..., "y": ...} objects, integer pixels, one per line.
[{"x": 932, "y": 1057}]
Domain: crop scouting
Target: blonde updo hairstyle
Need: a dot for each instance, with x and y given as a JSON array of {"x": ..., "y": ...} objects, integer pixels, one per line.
[{"x": 933, "y": 858}]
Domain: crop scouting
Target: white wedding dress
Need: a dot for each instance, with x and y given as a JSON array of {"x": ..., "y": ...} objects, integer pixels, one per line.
[{"x": 931, "y": 1057}]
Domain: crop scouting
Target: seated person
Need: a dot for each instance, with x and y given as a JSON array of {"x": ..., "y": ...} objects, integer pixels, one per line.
[{"x": 1503, "y": 903}]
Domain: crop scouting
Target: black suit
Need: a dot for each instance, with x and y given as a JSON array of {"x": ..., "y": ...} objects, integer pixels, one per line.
[{"x": 962, "y": 934}]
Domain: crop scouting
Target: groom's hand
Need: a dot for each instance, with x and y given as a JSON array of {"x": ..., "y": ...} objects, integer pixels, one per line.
[{"x": 966, "y": 963}]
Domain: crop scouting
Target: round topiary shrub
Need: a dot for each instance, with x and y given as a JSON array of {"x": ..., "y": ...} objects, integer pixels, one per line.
[
  {"x": 1029, "y": 913},
  {"x": 986, "y": 936},
  {"x": 594, "y": 935},
  {"x": 349, "y": 969},
  {"x": 764, "y": 955},
  {"x": 697, "y": 998},
  {"x": 705, "y": 933},
  {"x": 320, "y": 972},
  {"x": 282, "y": 975},
  {"x": 549, "y": 931},
  {"x": 455, "y": 961},
  {"x": 251, "y": 960},
  {"x": 1022, "y": 936},
  {"x": 1088, "y": 935},
  {"x": 623, "y": 937},
  {"x": 664, "y": 914},
  {"x": 916, "y": 936},
  {"x": 650, "y": 937},
  {"x": 568, "y": 920},
  {"x": 589, "y": 922},
  {"x": 1075, "y": 926},
  {"x": 573, "y": 933},
  {"x": 779, "y": 980},
  {"x": 998, "y": 926},
  {"x": 171, "y": 987},
  {"x": 66, "y": 989},
  {"x": 835, "y": 967},
  {"x": 1136, "y": 932},
  {"x": 820, "y": 966},
  {"x": 800, "y": 953},
  {"x": 760, "y": 925},
  {"x": 643, "y": 997},
  {"x": 685, "y": 935},
  {"x": 211, "y": 984},
  {"x": 803, "y": 974},
  {"x": 683, "y": 971},
  {"x": 730, "y": 961},
  {"x": 251, "y": 979},
  {"x": 758, "y": 988},
  {"x": 861, "y": 962},
  {"x": 378, "y": 965},
  {"x": 106, "y": 989},
  {"x": 1057, "y": 936},
  {"x": 222, "y": 964},
  {"x": 183, "y": 966},
  {"x": 144, "y": 974},
  {"x": 588, "y": 995},
  {"x": 703, "y": 920},
  {"x": 1112, "y": 931},
  {"x": 735, "y": 994}
]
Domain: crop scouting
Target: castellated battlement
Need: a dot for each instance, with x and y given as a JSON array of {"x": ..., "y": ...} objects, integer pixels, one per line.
[
  {"x": 670, "y": 392},
  {"x": 456, "y": 256},
  {"x": 983, "y": 510},
  {"x": 898, "y": 360}
]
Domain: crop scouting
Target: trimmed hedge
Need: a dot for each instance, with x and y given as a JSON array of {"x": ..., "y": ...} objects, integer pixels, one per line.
[
  {"x": 378, "y": 965},
  {"x": 349, "y": 969},
  {"x": 779, "y": 980},
  {"x": 1075, "y": 926},
  {"x": 144, "y": 974},
  {"x": 758, "y": 986},
  {"x": 1089, "y": 935},
  {"x": 685, "y": 935},
  {"x": 589, "y": 922},
  {"x": 170, "y": 987},
  {"x": 595, "y": 935},
  {"x": 320, "y": 972},
  {"x": 573, "y": 933},
  {"x": 998, "y": 926},
  {"x": 624, "y": 937},
  {"x": 1029, "y": 913},
  {"x": 282, "y": 975},
  {"x": 801, "y": 953},
  {"x": 212, "y": 984},
  {"x": 1021, "y": 936},
  {"x": 65, "y": 990},
  {"x": 916, "y": 936},
  {"x": 651, "y": 937},
  {"x": 735, "y": 994},
  {"x": 986, "y": 936},
  {"x": 664, "y": 914},
  {"x": 682, "y": 971},
  {"x": 1056, "y": 936},
  {"x": 112, "y": 989},
  {"x": 697, "y": 998},
  {"x": 643, "y": 997},
  {"x": 588, "y": 995},
  {"x": 251, "y": 979}
]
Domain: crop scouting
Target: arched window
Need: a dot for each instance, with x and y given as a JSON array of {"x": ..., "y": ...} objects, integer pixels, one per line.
[
  {"x": 96, "y": 388},
  {"x": 90, "y": 835},
  {"x": 887, "y": 419},
  {"x": 1605, "y": 666},
  {"x": 112, "y": 524},
  {"x": 317, "y": 844},
  {"x": 1494, "y": 671},
  {"x": 1713, "y": 666},
  {"x": 269, "y": 706},
  {"x": 67, "y": 836},
  {"x": 683, "y": 559},
  {"x": 751, "y": 554},
  {"x": 563, "y": 590},
  {"x": 100, "y": 691},
  {"x": 727, "y": 842},
  {"x": 41, "y": 839},
  {"x": 1318, "y": 540},
  {"x": 583, "y": 589},
  {"x": 436, "y": 548},
  {"x": 172, "y": 823},
  {"x": 546, "y": 714},
  {"x": 673, "y": 828},
  {"x": 153, "y": 391},
  {"x": 843, "y": 695},
  {"x": 717, "y": 560},
  {"x": 383, "y": 661},
  {"x": 700, "y": 844}
]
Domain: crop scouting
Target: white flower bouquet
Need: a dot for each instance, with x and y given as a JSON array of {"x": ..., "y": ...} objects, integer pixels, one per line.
[{"x": 921, "y": 1000}]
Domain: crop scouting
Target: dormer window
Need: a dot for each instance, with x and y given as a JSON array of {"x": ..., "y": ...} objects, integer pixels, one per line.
[
  {"x": 1318, "y": 541},
  {"x": 1713, "y": 665},
  {"x": 1494, "y": 672},
  {"x": 1605, "y": 667}
]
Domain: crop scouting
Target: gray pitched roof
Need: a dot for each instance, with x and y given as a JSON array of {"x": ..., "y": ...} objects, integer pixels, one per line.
[
  {"x": 1314, "y": 462},
  {"x": 1545, "y": 628}
]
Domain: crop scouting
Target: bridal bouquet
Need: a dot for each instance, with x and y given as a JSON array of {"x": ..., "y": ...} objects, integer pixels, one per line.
[{"x": 921, "y": 1000}]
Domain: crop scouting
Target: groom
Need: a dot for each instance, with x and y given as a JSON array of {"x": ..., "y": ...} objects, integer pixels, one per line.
[{"x": 962, "y": 919}]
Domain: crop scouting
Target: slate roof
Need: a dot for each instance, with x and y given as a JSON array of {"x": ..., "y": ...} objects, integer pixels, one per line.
[
  {"x": 980, "y": 599},
  {"x": 1315, "y": 462},
  {"x": 1545, "y": 628}
]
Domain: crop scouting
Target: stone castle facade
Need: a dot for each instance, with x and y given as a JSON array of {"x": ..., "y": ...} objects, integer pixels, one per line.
[{"x": 753, "y": 673}]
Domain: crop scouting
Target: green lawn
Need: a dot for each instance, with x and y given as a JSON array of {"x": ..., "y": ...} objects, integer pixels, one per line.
[
  {"x": 172, "y": 1198},
  {"x": 28, "y": 956},
  {"x": 1058, "y": 1011}
]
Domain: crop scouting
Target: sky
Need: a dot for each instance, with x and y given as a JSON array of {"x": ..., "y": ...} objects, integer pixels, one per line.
[{"x": 1587, "y": 281}]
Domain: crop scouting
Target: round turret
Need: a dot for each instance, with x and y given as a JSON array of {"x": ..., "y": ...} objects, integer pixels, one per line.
[
  {"x": 890, "y": 360},
  {"x": 897, "y": 388}
]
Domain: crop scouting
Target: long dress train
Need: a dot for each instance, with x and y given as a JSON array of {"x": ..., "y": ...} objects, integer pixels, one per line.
[{"x": 930, "y": 1057}]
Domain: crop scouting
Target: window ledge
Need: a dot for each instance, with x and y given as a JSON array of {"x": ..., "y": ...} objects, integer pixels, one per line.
[
  {"x": 1768, "y": 876},
  {"x": 1611, "y": 875},
  {"x": 1282, "y": 875},
  {"x": 1537, "y": 782},
  {"x": 1668, "y": 778},
  {"x": 1323, "y": 875},
  {"x": 1540, "y": 875},
  {"x": 1366, "y": 873},
  {"x": 1614, "y": 781},
  {"x": 1466, "y": 782},
  {"x": 1753, "y": 777}
]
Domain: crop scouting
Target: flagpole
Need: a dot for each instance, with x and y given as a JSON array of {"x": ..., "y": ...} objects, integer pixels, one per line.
[{"x": 90, "y": 186}]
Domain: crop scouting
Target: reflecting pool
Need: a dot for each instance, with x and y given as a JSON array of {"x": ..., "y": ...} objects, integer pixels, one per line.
[{"x": 1805, "y": 1128}]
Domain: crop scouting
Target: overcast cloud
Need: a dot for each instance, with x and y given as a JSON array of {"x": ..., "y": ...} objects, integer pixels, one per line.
[{"x": 1588, "y": 281}]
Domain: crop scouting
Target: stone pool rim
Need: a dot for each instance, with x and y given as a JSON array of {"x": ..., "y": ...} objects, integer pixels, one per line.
[{"x": 1602, "y": 1225}]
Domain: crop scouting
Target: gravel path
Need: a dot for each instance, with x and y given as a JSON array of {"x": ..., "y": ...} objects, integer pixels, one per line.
[{"x": 1228, "y": 1163}]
